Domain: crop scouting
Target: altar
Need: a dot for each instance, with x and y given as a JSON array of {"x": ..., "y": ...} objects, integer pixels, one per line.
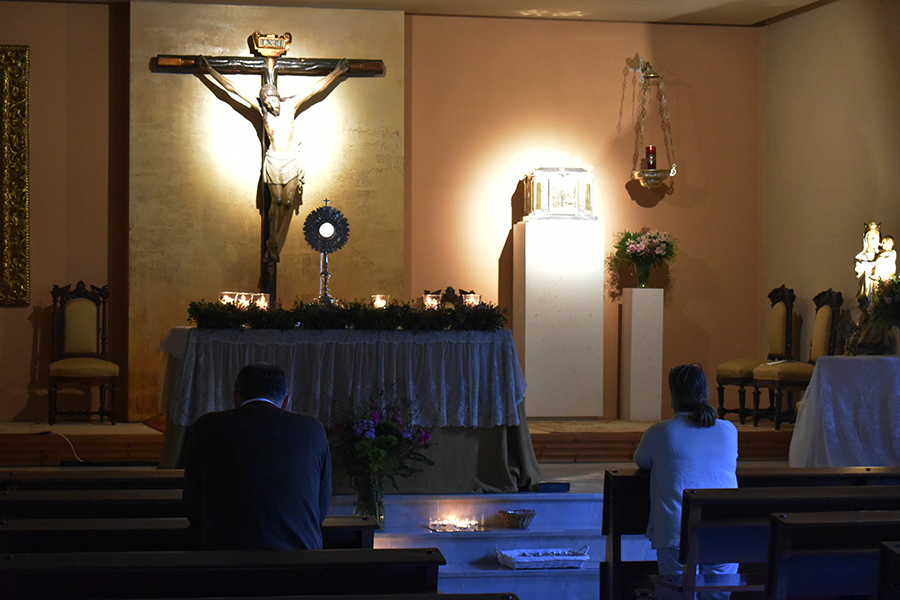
[
  {"x": 468, "y": 384},
  {"x": 850, "y": 414}
]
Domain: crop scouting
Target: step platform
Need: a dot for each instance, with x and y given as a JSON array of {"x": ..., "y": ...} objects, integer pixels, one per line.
[{"x": 562, "y": 521}]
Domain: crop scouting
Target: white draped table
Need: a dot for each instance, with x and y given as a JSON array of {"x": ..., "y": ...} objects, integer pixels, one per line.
[
  {"x": 850, "y": 414},
  {"x": 462, "y": 382}
]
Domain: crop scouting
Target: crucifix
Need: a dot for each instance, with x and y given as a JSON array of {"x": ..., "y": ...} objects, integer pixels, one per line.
[{"x": 282, "y": 173}]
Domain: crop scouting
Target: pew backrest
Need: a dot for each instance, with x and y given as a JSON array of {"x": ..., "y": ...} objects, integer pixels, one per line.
[
  {"x": 827, "y": 553},
  {"x": 148, "y": 534},
  {"x": 418, "y": 596},
  {"x": 713, "y": 520},
  {"x": 626, "y": 504},
  {"x": 83, "y": 478},
  {"x": 19, "y": 536},
  {"x": 123, "y": 575},
  {"x": 889, "y": 571},
  {"x": 91, "y": 503}
]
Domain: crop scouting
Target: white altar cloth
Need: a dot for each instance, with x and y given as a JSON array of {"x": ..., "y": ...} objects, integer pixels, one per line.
[
  {"x": 850, "y": 414},
  {"x": 454, "y": 378}
]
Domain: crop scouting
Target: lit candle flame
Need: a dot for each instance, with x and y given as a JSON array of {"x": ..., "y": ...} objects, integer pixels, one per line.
[
  {"x": 453, "y": 523},
  {"x": 245, "y": 299}
]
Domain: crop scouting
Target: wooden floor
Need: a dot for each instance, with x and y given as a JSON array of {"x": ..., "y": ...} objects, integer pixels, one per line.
[{"x": 554, "y": 440}]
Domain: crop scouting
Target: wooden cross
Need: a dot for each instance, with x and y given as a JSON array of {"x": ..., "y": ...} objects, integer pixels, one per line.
[
  {"x": 179, "y": 63},
  {"x": 269, "y": 64}
]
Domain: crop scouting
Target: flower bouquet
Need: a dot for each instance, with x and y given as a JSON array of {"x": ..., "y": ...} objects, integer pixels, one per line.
[
  {"x": 642, "y": 250},
  {"x": 375, "y": 443}
]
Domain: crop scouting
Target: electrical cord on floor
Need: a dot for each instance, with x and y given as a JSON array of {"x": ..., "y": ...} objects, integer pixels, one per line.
[{"x": 68, "y": 441}]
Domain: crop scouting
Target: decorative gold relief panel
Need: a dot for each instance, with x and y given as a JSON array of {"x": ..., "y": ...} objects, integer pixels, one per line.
[{"x": 14, "y": 249}]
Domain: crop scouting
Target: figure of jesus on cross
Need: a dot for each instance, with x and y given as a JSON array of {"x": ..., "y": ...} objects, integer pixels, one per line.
[{"x": 281, "y": 167}]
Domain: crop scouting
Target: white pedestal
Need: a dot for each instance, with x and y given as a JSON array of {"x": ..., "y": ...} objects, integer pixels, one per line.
[
  {"x": 642, "y": 329},
  {"x": 558, "y": 314}
]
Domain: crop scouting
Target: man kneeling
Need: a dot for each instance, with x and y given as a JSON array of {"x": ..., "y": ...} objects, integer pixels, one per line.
[{"x": 257, "y": 477}]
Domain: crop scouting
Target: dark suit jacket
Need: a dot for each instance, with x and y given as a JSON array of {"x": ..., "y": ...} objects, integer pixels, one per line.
[{"x": 257, "y": 478}]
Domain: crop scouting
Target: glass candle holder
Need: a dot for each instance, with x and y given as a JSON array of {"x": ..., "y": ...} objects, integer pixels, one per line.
[
  {"x": 245, "y": 299},
  {"x": 431, "y": 300},
  {"x": 472, "y": 299},
  {"x": 380, "y": 300}
]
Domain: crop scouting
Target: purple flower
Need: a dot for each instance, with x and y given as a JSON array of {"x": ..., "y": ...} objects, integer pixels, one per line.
[
  {"x": 370, "y": 434},
  {"x": 406, "y": 434},
  {"x": 424, "y": 436},
  {"x": 363, "y": 426}
]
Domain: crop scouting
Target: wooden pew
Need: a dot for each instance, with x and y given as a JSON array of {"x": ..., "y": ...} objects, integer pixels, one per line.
[
  {"x": 351, "y": 531},
  {"x": 148, "y": 534},
  {"x": 421, "y": 596},
  {"x": 626, "y": 511},
  {"x": 732, "y": 526},
  {"x": 828, "y": 553},
  {"x": 889, "y": 571},
  {"x": 626, "y": 508},
  {"x": 91, "y": 504},
  {"x": 197, "y": 574},
  {"x": 19, "y": 536},
  {"x": 84, "y": 478}
]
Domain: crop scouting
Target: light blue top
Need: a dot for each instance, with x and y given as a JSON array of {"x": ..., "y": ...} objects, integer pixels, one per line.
[{"x": 681, "y": 455}]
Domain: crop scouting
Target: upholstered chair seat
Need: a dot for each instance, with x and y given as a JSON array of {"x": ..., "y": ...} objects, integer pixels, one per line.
[
  {"x": 83, "y": 367},
  {"x": 739, "y": 368},
  {"x": 784, "y": 373}
]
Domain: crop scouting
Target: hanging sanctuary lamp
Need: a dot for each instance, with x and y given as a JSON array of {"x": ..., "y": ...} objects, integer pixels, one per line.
[{"x": 646, "y": 168}]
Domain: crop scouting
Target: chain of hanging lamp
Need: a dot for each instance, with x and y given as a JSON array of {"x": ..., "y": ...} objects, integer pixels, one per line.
[{"x": 648, "y": 76}]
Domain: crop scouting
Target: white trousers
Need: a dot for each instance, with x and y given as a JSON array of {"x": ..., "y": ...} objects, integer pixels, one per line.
[{"x": 667, "y": 561}]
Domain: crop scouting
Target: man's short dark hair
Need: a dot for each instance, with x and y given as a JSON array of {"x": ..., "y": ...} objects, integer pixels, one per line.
[{"x": 261, "y": 380}]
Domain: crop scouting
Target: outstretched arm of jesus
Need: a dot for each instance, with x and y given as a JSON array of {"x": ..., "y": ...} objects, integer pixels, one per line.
[
  {"x": 229, "y": 85},
  {"x": 323, "y": 84}
]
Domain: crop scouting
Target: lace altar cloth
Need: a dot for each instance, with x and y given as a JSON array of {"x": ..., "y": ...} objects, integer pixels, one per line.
[
  {"x": 850, "y": 414},
  {"x": 454, "y": 378}
]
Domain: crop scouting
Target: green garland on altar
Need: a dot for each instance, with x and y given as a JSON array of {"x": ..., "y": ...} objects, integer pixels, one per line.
[{"x": 355, "y": 315}]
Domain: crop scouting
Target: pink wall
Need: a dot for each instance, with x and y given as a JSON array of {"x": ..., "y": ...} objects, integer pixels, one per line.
[
  {"x": 832, "y": 125},
  {"x": 491, "y": 99},
  {"x": 69, "y": 158},
  {"x": 487, "y": 100}
]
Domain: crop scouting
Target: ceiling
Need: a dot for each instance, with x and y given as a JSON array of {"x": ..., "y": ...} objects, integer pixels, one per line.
[{"x": 699, "y": 12}]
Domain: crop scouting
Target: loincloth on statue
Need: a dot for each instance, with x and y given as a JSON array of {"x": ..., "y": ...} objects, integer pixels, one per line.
[{"x": 282, "y": 167}]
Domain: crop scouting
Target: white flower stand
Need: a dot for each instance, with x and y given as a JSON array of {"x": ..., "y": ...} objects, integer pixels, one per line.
[{"x": 642, "y": 331}]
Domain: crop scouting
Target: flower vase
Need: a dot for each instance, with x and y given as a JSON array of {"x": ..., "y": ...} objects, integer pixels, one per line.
[
  {"x": 369, "y": 500},
  {"x": 643, "y": 274}
]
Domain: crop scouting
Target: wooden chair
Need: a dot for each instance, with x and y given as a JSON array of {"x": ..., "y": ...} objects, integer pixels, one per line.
[
  {"x": 739, "y": 371},
  {"x": 80, "y": 355},
  {"x": 791, "y": 376}
]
